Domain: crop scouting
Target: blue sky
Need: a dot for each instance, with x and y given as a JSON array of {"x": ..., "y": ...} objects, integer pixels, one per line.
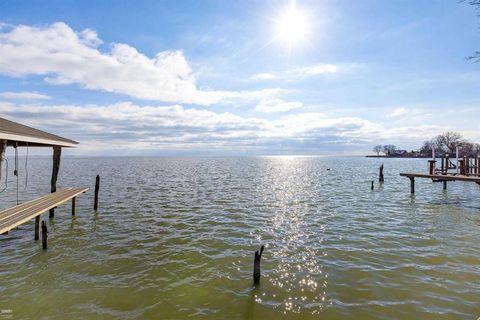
[{"x": 221, "y": 77}]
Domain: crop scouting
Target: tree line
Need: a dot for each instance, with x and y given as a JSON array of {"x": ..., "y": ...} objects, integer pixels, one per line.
[{"x": 446, "y": 142}]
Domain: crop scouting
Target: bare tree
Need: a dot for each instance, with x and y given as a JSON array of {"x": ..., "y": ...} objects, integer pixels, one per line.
[
  {"x": 428, "y": 146},
  {"x": 377, "y": 149},
  {"x": 449, "y": 141},
  {"x": 389, "y": 149}
]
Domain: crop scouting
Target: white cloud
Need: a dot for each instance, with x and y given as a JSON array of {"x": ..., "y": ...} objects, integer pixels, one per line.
[
  {"x": 301, "y": 73},
  {"x": 277, "y": 105},
  {"x": 319, "y": 69},
  {"x": 409, "y": 114},
  {"x": 24, "y": 95},
  {"x": 397, "y": 112},
  {"x": 125, "y": 126},
  {"x": 264, "y": 76},
  {"x": 64, "y": 57}
]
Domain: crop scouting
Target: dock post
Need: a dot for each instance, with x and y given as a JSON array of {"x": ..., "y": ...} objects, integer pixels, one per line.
[
  {"x": 3, "y": 147},
  {"x": 447, "y": 163},
  {"x": 37, "y": 228},
  {"x": 57, "y": 153},
  {"x": 431, "y": 166},
  {"x": 371, "y": 187},
  {"x": 256, "y": 266},
  {"x": 380, "y": 176},
  {"x": 444, "y": 184},
  {"x": 73, "y": 205},
  {"x": 461, "y": 163},
  {"x": 412, "y": 185},
  {"x": 97, "y": 187},
  {"x": 44, "y": 235}
]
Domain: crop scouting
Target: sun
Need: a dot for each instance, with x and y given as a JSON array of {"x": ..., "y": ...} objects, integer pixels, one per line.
[{"x": 292, "y": 26}]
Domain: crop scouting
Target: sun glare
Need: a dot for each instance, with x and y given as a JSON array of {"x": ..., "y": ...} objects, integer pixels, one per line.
[{"x": 292, "y": 26}]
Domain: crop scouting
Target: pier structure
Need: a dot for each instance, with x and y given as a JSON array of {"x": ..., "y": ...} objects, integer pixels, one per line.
[
  {"x": 461, "y": 168},
  {"x": 13, "y": 134}
]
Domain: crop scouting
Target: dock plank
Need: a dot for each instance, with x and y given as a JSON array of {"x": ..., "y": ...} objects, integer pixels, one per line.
[{"x": 15, "y": 216}]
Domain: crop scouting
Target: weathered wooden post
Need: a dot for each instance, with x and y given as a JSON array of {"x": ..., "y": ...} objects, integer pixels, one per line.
[
  {"x": 412, "y": 184},
  {"x": 431, "y": 166},
  {"x": 447, "y": 163},
  {"x": 380, "y": 176},
  {"x": 256, "y": 266},
  {"x": 3, "y": 147},
  {"x": 97, "y": 187},
  {"x": 57, "y": 153},
  {"x": 44, "y": 235},
  {"x": 461, "y": 164},
  {"x": 371, "y": 187},
  {"x": 73, "y": 205},
  {"x": 444, "y": 184},
  {"x": 37, "y": 228},
  {"x": 478, "y": 165}
]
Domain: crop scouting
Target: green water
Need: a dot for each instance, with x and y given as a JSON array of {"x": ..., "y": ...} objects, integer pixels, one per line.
[{"x": 175, "y": 238}]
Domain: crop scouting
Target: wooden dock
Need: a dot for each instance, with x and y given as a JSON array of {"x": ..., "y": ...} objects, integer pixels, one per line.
[
  {"x": 439, "y": 178},
  {"x": 442, "y": 177},
  {"x": 13, "y": 217}
]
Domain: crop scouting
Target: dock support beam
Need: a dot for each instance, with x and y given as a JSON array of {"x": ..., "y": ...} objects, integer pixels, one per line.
[
  {"x": 444, "y": 184},
  {"x": 57, "y": 153},
  {"x": 3, "y": 147},
  {"x": 73, "y": 205},
  {"x": 44, "y": 235},
  {"x": 37, "y": 228},
  {"x": 412, "y": 185},
  {"x": 97, "y": 187},
  {"x": 256, "y": 266}
]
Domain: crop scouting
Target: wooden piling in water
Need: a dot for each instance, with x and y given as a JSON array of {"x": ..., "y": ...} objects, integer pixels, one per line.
[
  {"x": 444, "y": 184},
  {"x": 57, "y": 153},
  {"x": 44, "y": 235},
  {"x": 412, "y": 185},
  {"x": 73, "y": 205},
  {"x": 371, "y": 187},
  {"x": 97, "y": 187},
  {"x": 380, "y": 176},
  {"x": 37, "y": 228},
  {"x": 256, "y": 265}
]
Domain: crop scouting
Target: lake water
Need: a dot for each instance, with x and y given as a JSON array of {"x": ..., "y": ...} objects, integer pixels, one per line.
[{"x": 174, "y": 238}]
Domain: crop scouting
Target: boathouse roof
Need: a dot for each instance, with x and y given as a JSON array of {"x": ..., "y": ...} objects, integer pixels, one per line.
[{"x": 23, "y": 135}]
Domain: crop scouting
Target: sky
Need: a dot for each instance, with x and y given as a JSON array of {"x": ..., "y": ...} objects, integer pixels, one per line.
[{"x": 240, "y": 77}]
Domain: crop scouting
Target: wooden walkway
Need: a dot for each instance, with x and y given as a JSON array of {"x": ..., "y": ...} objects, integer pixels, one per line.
[
  {"x": 439, "y": 178},
  {"x": 13, "y": 217},
  {"x": 442, "y": 177}
]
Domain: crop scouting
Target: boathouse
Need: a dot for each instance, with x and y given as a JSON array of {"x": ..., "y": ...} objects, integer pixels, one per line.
[{"x": 16, "y": 135}]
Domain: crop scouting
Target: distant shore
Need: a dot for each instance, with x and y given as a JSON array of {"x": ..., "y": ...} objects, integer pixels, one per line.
[{"x": 399, "y": 156}]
